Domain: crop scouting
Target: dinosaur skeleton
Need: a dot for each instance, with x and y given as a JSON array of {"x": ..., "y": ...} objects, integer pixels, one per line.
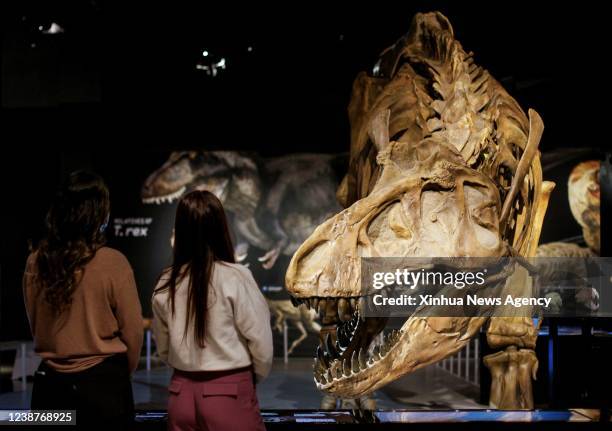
[
  {"x": 302, "y": 318},
  {"x": 443, "y": 162}
]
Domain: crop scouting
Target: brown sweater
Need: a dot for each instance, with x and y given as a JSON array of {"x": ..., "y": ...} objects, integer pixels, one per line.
[{"x": 104, "y": 318}]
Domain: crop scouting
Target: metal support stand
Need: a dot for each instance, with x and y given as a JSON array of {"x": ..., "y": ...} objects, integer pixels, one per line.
[
  {"x": 467, "y": 361},
  {"x": 148, "y": 346},
  {"x": 285, "y": 341},
  {"x": 22, "y": 365}
]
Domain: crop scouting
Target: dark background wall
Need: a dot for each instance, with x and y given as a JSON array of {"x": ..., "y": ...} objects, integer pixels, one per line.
[{"x": 119, "y": 90}]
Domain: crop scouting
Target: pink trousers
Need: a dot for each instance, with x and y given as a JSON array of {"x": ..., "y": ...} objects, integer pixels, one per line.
[{"x": 213, "y": 401}]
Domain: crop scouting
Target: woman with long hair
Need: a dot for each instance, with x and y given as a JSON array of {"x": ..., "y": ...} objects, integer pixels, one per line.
[
  {"x": 84, "y": 312},
  {"x": 211, "y": 324}
]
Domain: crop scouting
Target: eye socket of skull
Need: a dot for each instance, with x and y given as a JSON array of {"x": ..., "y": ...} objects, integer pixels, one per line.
[
  {"x": 180, "y": 173},
  {"x": 391, "y": 232},
  {"x": 462, "y": 219}
]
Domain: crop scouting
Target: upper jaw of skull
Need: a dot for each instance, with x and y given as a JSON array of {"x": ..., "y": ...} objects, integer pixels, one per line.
[
  {"x": 169, "y": 182},
  {"x": 410, "y": 215}
]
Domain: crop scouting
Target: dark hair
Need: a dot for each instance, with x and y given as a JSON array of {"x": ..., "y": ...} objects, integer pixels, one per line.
[
  {"x": 73, "y": 235},
  {"x": 201, "y": 237}
]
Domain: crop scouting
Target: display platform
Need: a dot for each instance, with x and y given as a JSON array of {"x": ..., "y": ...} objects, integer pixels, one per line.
[{"x": 412, "y": 419}]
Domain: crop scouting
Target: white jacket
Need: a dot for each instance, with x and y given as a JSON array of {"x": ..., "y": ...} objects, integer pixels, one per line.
[{"x": 238, "y": 331}]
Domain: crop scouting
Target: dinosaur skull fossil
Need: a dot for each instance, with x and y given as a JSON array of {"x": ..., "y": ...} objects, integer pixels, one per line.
[{"x": 444, "y": 163}]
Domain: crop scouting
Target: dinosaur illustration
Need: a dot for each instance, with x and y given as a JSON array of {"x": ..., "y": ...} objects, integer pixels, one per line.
[
  {"x": 583, "y": 191},
  {"x": 274, "y": 203},
  {"x": 585, "y": 201},
  {"x": 443, "y": 163}
]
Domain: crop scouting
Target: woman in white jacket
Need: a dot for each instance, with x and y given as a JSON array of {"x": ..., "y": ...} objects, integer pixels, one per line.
[{"x": 211, "y": 324}]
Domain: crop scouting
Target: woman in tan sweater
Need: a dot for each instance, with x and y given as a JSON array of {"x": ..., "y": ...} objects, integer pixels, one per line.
[
  {"x": 84, "y": 311},
  {"x": 212, "y": 325}
]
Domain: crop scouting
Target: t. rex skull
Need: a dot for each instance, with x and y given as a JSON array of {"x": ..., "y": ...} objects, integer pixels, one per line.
[{"x": 444, "y": 163}]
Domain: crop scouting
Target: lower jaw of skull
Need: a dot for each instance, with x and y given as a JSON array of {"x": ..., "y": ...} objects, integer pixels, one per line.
[{"x": 350, "y": 344}]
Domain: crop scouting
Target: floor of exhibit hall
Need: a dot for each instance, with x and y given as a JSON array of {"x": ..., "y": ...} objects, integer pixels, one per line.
[{"x": 291, "y": 386}]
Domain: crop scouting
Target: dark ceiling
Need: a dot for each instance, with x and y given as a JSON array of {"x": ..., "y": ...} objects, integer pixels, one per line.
[{"x": 125, "y": 72}]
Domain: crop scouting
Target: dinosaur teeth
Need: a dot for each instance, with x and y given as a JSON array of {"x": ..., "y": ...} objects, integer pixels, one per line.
[
  {"x": 322, "y": 305},
  {"x": 318, "y": 370},
  {"x": 336, "y": 369},
  {"x": 376, "y": 353},
  {"x": 363, "y": 362},
  {"x": 322, "y": 357},
  {"x": 169, "y": 198},
  {"x": 355, "y": 362},
  {"x": 321, "y": 378},
  {"x": 339, "y": 371},
  {"x": 344, "y": 309},
  {"x": 346, "y": 367},
  {"x": 361, "y": 307},
  {"x": 327, "y": 370},
  {"x": 341, "y": 308},
  {"x": 331, "y": 308},
  {"x": 329, "y": 346},
  {"x": 343, "y": 353},
  {"x": 384, "y": 349},
  {"x": 315, "y": 303}
]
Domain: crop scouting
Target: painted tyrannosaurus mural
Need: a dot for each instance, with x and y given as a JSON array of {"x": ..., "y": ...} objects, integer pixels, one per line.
[
  {"x": 274, "y": 203},
  {"x": 443, "y": 163}
]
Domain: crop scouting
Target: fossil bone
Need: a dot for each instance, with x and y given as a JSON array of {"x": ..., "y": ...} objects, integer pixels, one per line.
[{"x": 443, "y": 162}]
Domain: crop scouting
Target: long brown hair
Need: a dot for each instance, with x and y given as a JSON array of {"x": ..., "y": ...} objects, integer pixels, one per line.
[
  {"x": 201, "y": 237},
  {"x": 75, "y": 226}
]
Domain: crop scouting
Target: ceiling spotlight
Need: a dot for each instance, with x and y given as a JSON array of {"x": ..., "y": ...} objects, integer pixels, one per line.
[
  {"x": 204, "y": 53},
  {"x": 250, "y": 49},
  {"x": 54, "y": 28},
  {"x": 212, "y": 69}
]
